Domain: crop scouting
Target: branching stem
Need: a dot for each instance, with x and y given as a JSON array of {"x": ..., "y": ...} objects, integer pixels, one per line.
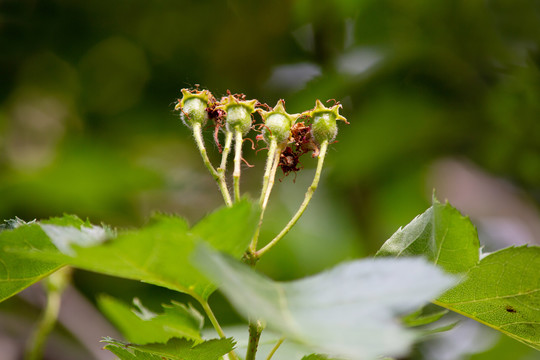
[
  {"x": 219, "y": 176},
  {"x": 208, "y": 311},
  {"x": 303, "y": 206},
  {"x": 237, "y": 162},
  {"x": 272, "y": 162},
  {"x": 55, "y": 284},
  {"x": 255, "y": 330},
  {"x": 274, "y": 349},
  {"x": 268, "y": 169},
  {"x": 226, "y": 150}
]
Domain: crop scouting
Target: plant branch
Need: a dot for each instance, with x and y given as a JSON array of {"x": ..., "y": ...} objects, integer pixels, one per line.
[
  {"x": 274, "y": 349},
  {"x": 237, "y": 162},
  {"x": 303, "y": 206},
  {"x": 226, "y": 150},
  {"x": 208, "y": 311},
  {"x": 272, "y": 162},
  {"x": 218, "y": 176},
  {"x": 255, "y": 330},
  {"x": 55, "y": 285}
]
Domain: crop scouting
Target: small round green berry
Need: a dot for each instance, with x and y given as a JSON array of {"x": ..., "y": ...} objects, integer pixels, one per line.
[
  {"x": 324, "y": 127},
  {"x": 277, "y": 123},
  {"x": 238, "y": 113},
  {"x": 193, "y": 107}
]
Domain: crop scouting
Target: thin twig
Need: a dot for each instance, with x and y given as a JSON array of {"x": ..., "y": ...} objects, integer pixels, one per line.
[
  {"x": 274, "y": 349},
  {"x": 272, "y": 163},
  {"x": 303, "y": 206},
  {"x": 237, "y": 162},
  {"x": 208, "y": 310},
  {"x": 255, "y": 330},
  {"x": 226, "y": 150},
  {"x": 218, "y": 176},
  {"x": 55, "y": 284}
]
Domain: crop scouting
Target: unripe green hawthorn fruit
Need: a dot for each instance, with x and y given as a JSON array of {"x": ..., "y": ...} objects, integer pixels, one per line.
[
  {"x": 277, "y": 123},
  {"x": 324, "y": 127},
  {"x": 193, "y": 107},
  {"x": 238, "y": 113}
]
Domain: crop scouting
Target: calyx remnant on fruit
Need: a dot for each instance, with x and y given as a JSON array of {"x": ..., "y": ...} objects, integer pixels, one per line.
[
  {"x": 324, "y": 127},
  {"x": 238, "y": 113},
  {"x": 277, "y": 123},
  {"x": 193, "y": 106}
]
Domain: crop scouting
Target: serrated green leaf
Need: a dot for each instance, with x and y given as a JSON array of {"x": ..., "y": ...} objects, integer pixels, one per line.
[
  {"x": 442, "y": 235},
  {"x": 11, "y": 224},
  {"x": 140, "y": 325},
  {"x": 503, "y": 292},
  {"x": 175, "y": 349},
  {"x": 125, "y": 354},
  {"x": 67, "y": 220},
  {"x": 495, "y": 287},
  {"x": 349, "y": 311},
  {"x": 160, "y": 252},
  {"x": 22, "y": 263}
]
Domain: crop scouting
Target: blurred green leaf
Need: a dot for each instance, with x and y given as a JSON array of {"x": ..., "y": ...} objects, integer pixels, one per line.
[
  {"x": 424, "y": 316},
  {"x": 140, "y": 325},
  {"x": 158, "y": 253},
  {"x": 174, "y": 349},
  {"x": 124, "y": 354},
  {"x": 441, "y": 234},
  {"x": 348, "y": 311},
  {"x": 502, "y": 291},
  {"x": 21, "y": 263}
]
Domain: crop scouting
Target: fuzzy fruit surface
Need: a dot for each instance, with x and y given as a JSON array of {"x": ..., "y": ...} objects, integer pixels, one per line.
[
  {"x": 324, "y": 127},
  {"x": 277, "y": 126},
  {"x": 194, "y": 111},
  {"x": 238, "y": 117}
]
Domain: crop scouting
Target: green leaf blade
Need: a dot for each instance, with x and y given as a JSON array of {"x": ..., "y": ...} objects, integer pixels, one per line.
[
  {"x": 20, "y": 262},
  {"x": 141, "y": 326},
  {"x": 442, "y": 235},
  {"x": 174, "y": 349},
  {"x": 159, "y": 253},
  {"x": 503, "y": 292},
  {"x": 349, "y": 311}
]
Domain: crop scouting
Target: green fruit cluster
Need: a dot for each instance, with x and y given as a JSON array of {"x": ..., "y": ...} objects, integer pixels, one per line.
[{"x": 234, "y": 113}]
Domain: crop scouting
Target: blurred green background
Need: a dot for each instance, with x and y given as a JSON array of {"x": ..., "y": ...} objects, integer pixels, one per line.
[{"x": 440, "y": 95}]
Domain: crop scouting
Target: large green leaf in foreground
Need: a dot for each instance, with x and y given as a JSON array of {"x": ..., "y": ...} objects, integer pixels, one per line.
[
  {"x": 174, "y": 349},
  {"x": 20, "y": 246},
  {"x": 158, "y": 253},
  {"x": 502, "y": 290},
  {"x": 350, "y": 311}
]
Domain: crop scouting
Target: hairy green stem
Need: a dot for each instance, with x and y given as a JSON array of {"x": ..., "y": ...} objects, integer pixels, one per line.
[
  {"x": 255, "y": 330},
  {"x": 274, "y": 349},
  {"x": 268, "y": 169},
  {"x": 272, "y": 162},
  {"x": 226, "y": 150},
  {"x": 303, "y": 206},
  {"x": 55, "y": 285},
  {"x": 237, "y": 162},
  {"x": 218, "y": 176},
  {"x": 208, "y": 311}
]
